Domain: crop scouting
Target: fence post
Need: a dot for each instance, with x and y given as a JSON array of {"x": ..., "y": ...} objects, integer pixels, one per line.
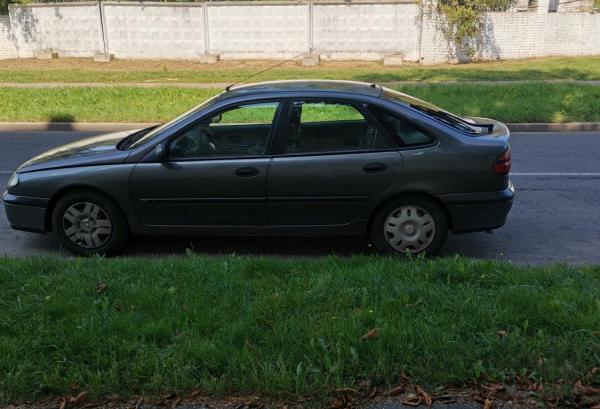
[
  {"x": 103, "y": 28},
  {"x": 206, "y": 29},
  {"x": 310, "y": 27}
]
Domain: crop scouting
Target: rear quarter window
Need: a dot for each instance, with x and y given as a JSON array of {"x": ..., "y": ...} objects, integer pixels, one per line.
[{"x": 401, "y": 128}]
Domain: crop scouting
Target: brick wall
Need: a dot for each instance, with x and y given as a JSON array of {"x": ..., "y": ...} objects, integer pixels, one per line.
[{"x": 522, "y": 35}]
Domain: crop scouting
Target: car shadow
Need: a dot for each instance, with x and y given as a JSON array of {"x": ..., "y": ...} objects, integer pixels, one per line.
[{"x": 477, "y": 245}]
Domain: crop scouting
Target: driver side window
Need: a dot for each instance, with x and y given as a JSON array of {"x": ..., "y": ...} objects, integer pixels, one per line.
[{"x": 242, "y": 130}]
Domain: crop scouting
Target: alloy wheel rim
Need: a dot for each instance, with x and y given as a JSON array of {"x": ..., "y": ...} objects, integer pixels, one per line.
[
  {"x": 409, "y": 229},
  {"x": 87, "y": 225}
]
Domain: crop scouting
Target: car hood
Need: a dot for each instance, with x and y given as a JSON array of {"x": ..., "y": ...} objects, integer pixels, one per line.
[{"x": 97, "y": 150}]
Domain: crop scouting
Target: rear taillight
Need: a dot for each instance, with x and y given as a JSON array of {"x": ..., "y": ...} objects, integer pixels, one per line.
[{"x": 503, "y": 163}]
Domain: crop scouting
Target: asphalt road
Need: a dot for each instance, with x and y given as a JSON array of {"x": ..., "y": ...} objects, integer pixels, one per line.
[{"x": 555, "y": 216}]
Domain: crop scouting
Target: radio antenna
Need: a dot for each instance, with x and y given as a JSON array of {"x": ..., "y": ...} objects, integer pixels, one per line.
[{"x": 227, "y": 88}]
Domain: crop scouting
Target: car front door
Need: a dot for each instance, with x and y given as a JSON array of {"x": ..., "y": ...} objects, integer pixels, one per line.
[
  {"x": 215, "y": 172},
  {"x": 333, "y": 166}
]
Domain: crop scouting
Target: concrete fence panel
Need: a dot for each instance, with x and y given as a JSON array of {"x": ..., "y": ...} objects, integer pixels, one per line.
[
  {"x": 7, "y": 45},
  {"x": 72, "y": 30},
  {"x": 366, "y": 31},
  {"x": 259, "y": 31},
  {"x": 334, "y": 29},
  {"x": 154, "y": 30}
]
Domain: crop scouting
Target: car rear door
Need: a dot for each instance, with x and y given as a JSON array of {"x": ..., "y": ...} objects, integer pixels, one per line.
[
  {"x": 215, "y": 172},
  {"x": 334, "y": 163}
]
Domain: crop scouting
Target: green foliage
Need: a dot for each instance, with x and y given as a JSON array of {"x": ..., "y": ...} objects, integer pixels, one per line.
[
  {"x": 4, "y": 6},
  {"x": 461, "y": 21},
  {"x": 279, "y": 327}
]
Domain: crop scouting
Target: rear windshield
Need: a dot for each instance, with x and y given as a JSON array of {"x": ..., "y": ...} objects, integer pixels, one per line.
[{"x": 462, "y": 124}]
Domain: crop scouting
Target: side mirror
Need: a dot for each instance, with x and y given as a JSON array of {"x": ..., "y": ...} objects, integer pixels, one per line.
[{"x": 159, "y": 154}]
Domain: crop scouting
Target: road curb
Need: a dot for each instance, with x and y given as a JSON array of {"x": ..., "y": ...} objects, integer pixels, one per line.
[
  {"x": 122, "y": 126},
  {"x": 71, "y": 126},
  {"x": 549, "y": 127}
]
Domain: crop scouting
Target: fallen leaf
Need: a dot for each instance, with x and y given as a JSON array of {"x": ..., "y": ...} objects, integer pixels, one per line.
[
  {"x": 113, "y": 398},
  {"x": 588, "y": 390},
  {"x": 372, "y": 333},
  {"x": 412, "y": 400},
  {"x": 194, "y": 394},
  {"x": 492, "y": 387},
  {"x": 396, "y": 391},
  {"x": 501, "y": 334},
  {"x": 101, "y": 287},
  {"x": 424, "y": 395},
  {"x": 346, "y": 391},
  {"x": 176, "y": 403},
  {"x": 488, "y": 404},
  {"x": 76, "y": 400},
  {"x": 63, "y": 403}
]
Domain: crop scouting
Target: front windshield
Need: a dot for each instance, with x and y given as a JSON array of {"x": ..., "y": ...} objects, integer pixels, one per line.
[
  {"x": 147, "y": 137},
  {"x": 455, "y": 121}
]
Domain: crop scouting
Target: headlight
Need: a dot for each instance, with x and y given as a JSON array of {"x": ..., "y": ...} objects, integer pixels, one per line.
[{"x": 13, "y": 181}]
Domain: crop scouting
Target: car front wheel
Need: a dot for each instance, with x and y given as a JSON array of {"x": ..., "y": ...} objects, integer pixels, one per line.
[
  {"x": 410, "y": 225},
  {"x": 89, "y": 223}
]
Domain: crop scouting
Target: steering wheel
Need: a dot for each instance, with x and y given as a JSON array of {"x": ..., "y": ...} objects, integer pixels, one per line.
[{"x": 195, "y": 143}]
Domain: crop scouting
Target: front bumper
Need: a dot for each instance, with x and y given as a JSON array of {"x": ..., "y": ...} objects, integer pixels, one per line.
[
  {"x": 26, "y": 213},
  {"x": 472, "y": 212}
]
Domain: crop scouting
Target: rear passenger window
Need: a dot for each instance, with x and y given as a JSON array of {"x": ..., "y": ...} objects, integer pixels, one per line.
[
  {"x": 401, "y": 128},
  {"x": 324, "y": 126}
]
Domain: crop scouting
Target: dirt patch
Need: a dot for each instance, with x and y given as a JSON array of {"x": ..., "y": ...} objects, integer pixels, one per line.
[{"x": 178, "y": 65}]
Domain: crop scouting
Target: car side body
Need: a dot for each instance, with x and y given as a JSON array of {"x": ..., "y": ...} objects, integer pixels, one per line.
[{"x": 276, "y": 192}]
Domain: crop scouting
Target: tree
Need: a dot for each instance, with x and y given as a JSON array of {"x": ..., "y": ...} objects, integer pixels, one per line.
[{"x": 461, "y": 21}]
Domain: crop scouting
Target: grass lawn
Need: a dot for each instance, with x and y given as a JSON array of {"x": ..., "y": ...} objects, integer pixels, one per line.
[
  {"x": 282, "y": 328},
  {"x": 528, "y": 102},
  {"x": 84, "y": 70}
]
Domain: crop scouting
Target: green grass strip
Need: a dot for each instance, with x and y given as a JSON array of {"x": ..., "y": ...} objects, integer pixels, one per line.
[
  {"x": 288, "y": 327},
  {"x": 74, "y": 70},
  {"x": 509, "y": 102}
]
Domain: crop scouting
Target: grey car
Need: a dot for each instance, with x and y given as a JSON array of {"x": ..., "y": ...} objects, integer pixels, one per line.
[{"x": 300, "y": 158}]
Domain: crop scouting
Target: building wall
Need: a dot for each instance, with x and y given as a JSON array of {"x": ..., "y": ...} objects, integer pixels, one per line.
[
  {"x": 7, "y": 45},
  {"x": 271, "y": 30}
]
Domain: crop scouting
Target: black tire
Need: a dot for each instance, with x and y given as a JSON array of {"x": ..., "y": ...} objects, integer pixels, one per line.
[
  {"x": 437, "y": 213},
  {"x": 111, "y": 243}
]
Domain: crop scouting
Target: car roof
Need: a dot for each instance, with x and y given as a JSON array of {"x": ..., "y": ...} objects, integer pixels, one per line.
[{"x": 308, "y": 86}]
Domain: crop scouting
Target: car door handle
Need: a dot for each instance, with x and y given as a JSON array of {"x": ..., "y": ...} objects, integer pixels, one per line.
[
  {"x": 246, "y": 172},
  {"x": 375, "y": 167}
]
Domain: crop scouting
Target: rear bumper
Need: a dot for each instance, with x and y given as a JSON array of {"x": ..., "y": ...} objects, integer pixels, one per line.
[
  {"x": 26, "y": 213},
  {"x": 472, "y": 212}
]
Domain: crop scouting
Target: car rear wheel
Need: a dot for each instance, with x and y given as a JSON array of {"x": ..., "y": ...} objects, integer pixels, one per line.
[
  {"x": 89, "y": 223},
  {"x": 410, "y": 225}
]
